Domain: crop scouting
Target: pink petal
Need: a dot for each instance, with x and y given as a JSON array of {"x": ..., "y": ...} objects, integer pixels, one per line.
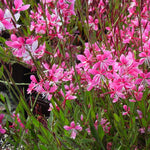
[
  {"x": 13, "y": 37},
  {"x": 87, "y": 53},
  {"x": 96, "y": 65},
  {"x": 115, "y": 100},
  {"x": 125, "y": 107},
  {"x": 78, "y": 127},
  {"x": 46, "y": 66},
  {"x": 123, "y": 59},
  {"x": 50, "y": 107},
  {"x": 141, "y": 61},
  {"x": 148, "y": 75},
  {"x": 81, "y": 58},
  {"x": 30, "y": 88},
  {"x": 138, "y": 81},
  {"x": 9, "y": 43},
  {"x": 49, "y": 97},
  {"x": 96, "y": 79},
  {"x": 18, "y": 3},
  {"x": 53, "y": 89},
  {"x": 16, "y": 44},
  {"x": 148, "y": 81},
  {"x": 93, "y": 71},
  {"x": 71, "y": 97},
  {"x": 67, "y": 128},
  {"x": 72, "y": 124},
  {"x": 7, "y": 24},
  {"x": 29, "y": 41},
  {"x": 33, "y": 79},
  {"x": 132, "y": 100},
  {"x": 21, "y": 40},
  {"x": 141, "y": 88},
  {"x": 142, "y": 54},
  {"x": 73, "y": 134},
  {"x": 25, "y": 7},
  {"x": 81, "y": 117},
  {"x": 89, "y": 87},
  {"x": 124, "y": 113},
  {"x": 2, "y": 131},
  {"x": 1, "y": 14}
]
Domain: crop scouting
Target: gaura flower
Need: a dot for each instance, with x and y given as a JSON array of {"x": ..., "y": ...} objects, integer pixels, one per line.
[{"x": 73, "y": 128}]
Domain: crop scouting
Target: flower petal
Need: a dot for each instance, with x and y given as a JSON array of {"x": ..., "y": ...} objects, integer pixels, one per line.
[
  {"x": 25, "y": 7},
  {"x": 73, "y": 134},
  {"x": 18, "y": 3},
  {"x": 67, "y": 128}
]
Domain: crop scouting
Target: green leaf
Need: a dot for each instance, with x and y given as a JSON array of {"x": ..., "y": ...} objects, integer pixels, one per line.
[
  {"x": 148, "y": 142},
  {"x": 35, "y": 122},
  {"x": 76, "y": 113},
  {"x": 42, "y": 139},
  {"x": 48, "y": 47},
  {"x": 2, "y": 50},
  {"x": 50, "y": 119},
  {"x": 62, "y": 115},
  {"x": 116, "y": 2},
  {"x": 95, "y": 135},
  {"x": 25, "y": 105},
  {"x": 116, "y": 117},
  {"x": 101, "y": 132},
  {"x": 72, "y": 142},
  {"x": 2, "y": 98},
  {"x": 63, "y": 88},
  {"x": 142, "y": 103},
  {"x": 42, "y": 147},
  {"x": 2, "y": 40},
  {"x": 144, "y": 122}
]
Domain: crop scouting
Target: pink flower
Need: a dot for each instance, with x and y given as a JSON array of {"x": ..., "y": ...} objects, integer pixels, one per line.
[
  {"x": 86, "y": 60},
  {"x": 104, "y": 61},
  {"x": 144, "y": 80},
  {"x": 2, "y": 131},
  {"x": 129, "y": 65},
  {"x": 116, "y": 91},
  {"x": 93, "y": 23},
  {"x": 109, "y": 145},
  {"x": 139, "y": 93},
  {"x": 49, "y": 89},
  {"x": 51, "y": 107},
  {"x": 73, "y": 128},
  {"x": 140, "y": 114},
  {"x": 66, "y": 9},
  {"x": 99, "y": 76},
  {"x": 18, "y": 6},
  {"x": 81, "y": 117},
  {"x": 67, "y": 96},
  {"x": 7, "y": 21},
  {"x": 4, "y": 22},
  {"x": 18, "y": 123},
  {"x": 145, "y": 57},
  {"x": 17, "y": 45},
  {"x": 127, "y": 110}
]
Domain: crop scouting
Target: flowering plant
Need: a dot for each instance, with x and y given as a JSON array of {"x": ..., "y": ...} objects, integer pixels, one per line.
[{"x": 87, "y": 58}]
